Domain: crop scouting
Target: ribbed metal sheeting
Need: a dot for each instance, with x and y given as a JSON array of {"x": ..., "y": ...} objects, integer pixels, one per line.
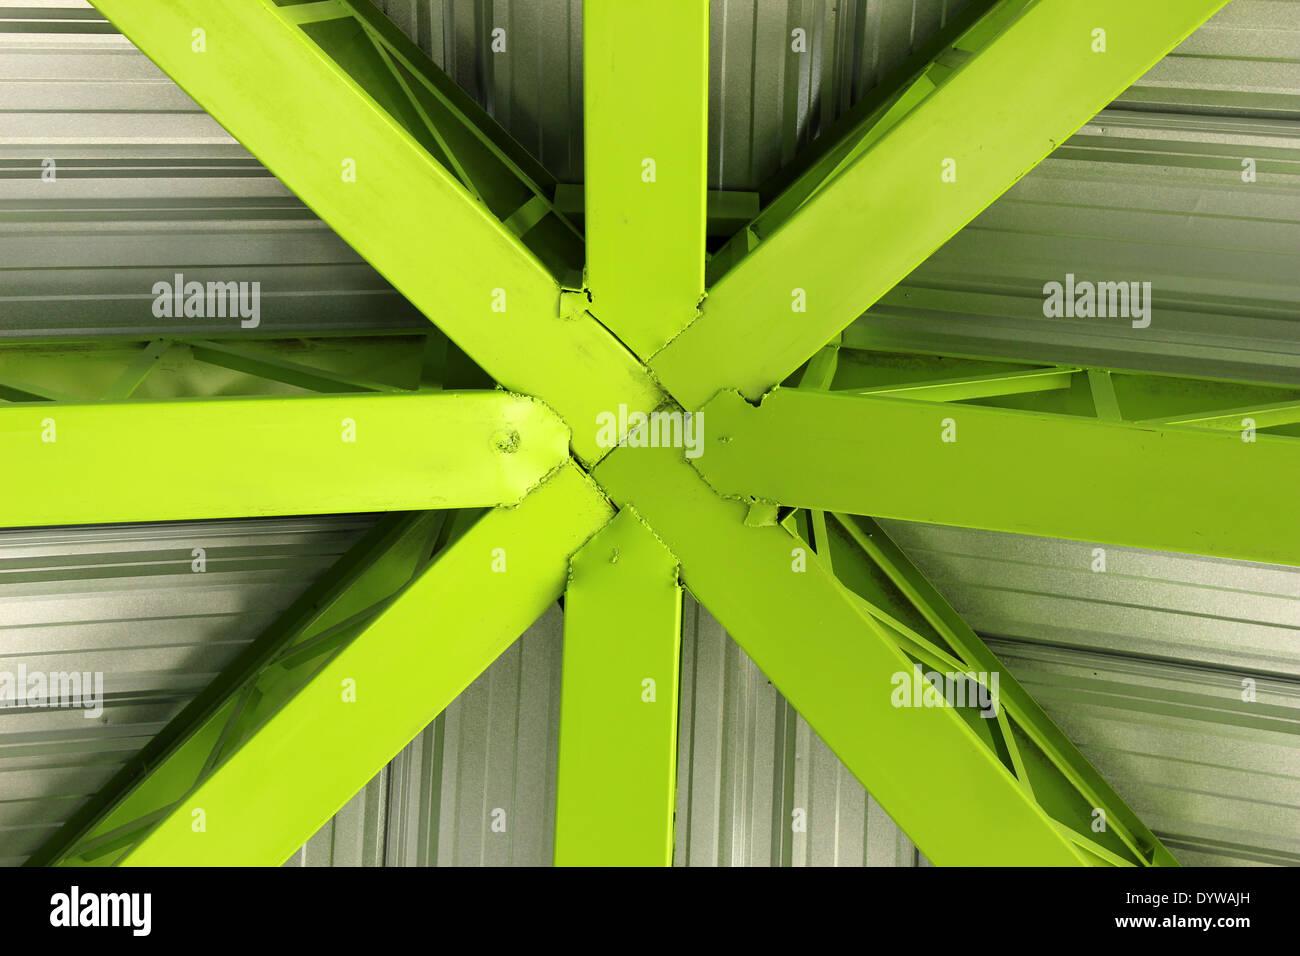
[
  {"x": 145, "y": 185},
  {"x": 756, "y": 785},
  {"x": 1244, "y": 62},
  {"x": 765, "y": 100},
  {"x": 1147, "y": 196},
  {"x": 125, "y": 600},
  {"x": 1143, "y": 666},
  {"x": 477, "y": 787}
]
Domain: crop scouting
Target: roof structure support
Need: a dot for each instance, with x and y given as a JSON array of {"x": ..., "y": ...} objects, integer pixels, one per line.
[
  {"x": 1016, "y": 84},
  {"x": 237, "y": 457},
  {"x": 256, "y": 779},
  {"x": 835, "y": 663},
  {"x": 343, "y": 111},
  {"x": 646, "y": 118},
  {"x": 616, "y": 789},
  {"x": 1165, "y": 487},
  {"x": 324, "y": 111},
  {"x": 329, "y": 613},
  {"x": 926, "y": 628}
]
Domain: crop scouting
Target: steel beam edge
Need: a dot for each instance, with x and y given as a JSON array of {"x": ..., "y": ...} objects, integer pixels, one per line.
[
  {"x": 616, "y": 789},
  {"x": 239, "y": 457}
]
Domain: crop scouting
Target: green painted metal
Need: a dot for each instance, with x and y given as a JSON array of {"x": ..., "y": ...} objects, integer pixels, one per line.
[
  {"x": 988, "y": 119},
  {"x": 237, "y": 457},
  {"x": 727, "y": 209},
  {"x": 280, "y": 370},
  {"x": 263, "y": 797},
  {"x": 196, "y": 367},
  {"x": 1260, "y": 416},
  {"x": 616, "y": 788},
  {"x": 313, "y": 124},
  {"x": 134, "y": 374},
  {"x": 1042, "y": 757},
  {"x": 1163, "y": 487},
  {"x": 856, "y": 129},
  {"x": 978, "y": 386},
  {"x": 332, "y": 611},
  {"x": 645, "y": 108},
  {"x": 926, "y": 766}
]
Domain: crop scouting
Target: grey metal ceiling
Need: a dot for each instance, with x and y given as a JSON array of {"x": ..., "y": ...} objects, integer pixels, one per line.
[{"x": 1141, "y": 666}]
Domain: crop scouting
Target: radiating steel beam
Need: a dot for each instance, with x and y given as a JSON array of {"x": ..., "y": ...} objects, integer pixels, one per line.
[
  {"x": 832, "y": 660},
  {"x": 317, "y": 127},
  {"x": 262, "y": 794},
  {"x": 1163, "y": 487},
  {"x": 985, "y": 113},
  {"x": 237, "y": 457},
  {"x": 645, "y": 118},
  {"x": 616, "y": 789}
]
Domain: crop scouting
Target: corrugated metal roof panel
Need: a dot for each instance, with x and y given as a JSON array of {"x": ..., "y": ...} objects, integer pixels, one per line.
[
  {"x": 1143, "y": 666},
  {"x": 1245, "y": 61},
  {"x": 124, "y": 600}
]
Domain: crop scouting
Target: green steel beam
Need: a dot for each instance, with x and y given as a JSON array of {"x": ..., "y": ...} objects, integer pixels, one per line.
[
  {"x": 927, "y": 766},
  {"x": 277, "y": 369},
  {"x": 237, "y": 457},
  {"x": 977, "y": 121},
  {"x": 1163, "y": 487},
  {"x": 137, "y": 371},
  {"x": 1261, "y": 416},
  {"x": 311, "y": 122},
  {"x": 616, "y": 789},
  {"x": 456, "y": 131},
  {"x": 1105, "y": 403},
  {"x": 645, "y": 119},
  {"x": 978, "y": 386},
  {"x": 853, "y": 131},
  {"x": 12, "y": 390},
  {"x": 197, "y": 367},
  {"x": 869, "y": 562},
  {"x": 261, "y": 796},
  {"x": 335, "y": 608}
]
